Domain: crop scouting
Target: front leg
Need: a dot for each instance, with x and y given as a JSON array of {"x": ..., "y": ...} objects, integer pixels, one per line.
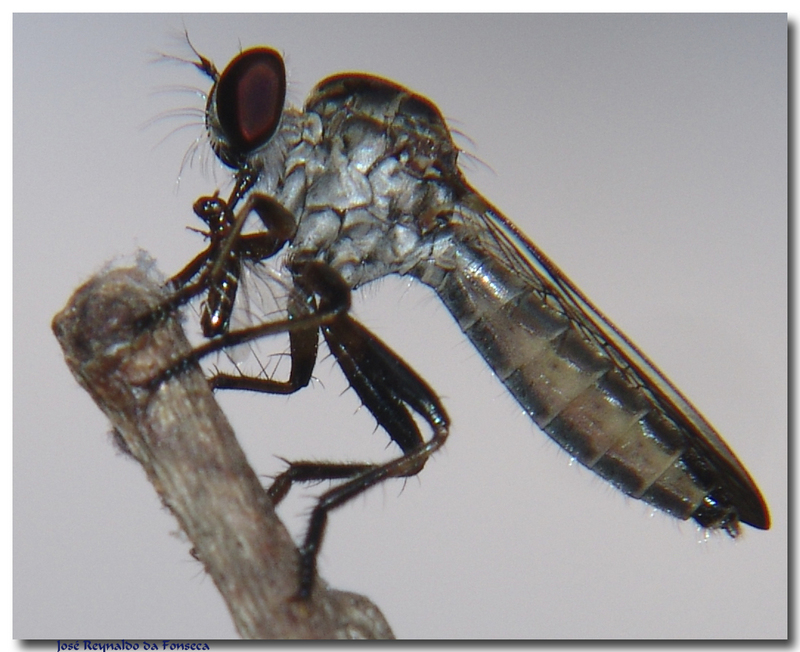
[{"x": 230, "y": 250}]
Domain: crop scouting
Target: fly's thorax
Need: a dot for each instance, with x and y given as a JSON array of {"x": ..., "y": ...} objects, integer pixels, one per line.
[
  {"x": 376, "y": 182},
  {"x": 414, "y": 127},
  {"x": 360, "y": 245}
]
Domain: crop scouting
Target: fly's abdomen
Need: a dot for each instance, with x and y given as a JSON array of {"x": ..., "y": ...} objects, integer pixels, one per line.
[{"x": 579, "y": 395}]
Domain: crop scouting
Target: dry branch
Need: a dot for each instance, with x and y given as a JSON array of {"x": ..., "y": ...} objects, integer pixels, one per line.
[{"x": 178, "y": 433}]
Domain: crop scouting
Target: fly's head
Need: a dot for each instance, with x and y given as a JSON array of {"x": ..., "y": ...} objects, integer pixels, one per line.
[{"x": 245, "y": 104}]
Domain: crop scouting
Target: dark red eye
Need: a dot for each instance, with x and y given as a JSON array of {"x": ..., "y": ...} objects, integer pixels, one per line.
[{"x": 249, "y": 98}]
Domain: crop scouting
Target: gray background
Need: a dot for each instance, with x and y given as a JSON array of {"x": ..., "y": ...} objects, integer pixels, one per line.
[{"x": 646, "y": 155}]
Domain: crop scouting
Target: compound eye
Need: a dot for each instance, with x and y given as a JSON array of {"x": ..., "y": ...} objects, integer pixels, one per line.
[{"x": 249, "y": 97}]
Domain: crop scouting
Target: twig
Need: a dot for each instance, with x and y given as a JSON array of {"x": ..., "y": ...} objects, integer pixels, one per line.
[{"x": 178, "y": 433}]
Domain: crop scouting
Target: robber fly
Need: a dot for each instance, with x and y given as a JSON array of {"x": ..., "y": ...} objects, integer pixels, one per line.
[{"x": 364, "y": 182}]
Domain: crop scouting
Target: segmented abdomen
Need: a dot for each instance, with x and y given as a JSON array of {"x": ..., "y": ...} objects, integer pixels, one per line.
[{"x": 579, "y": 395}]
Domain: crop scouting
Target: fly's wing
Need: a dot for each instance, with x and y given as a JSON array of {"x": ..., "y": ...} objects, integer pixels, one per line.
[{"x": 525, "y": 260}]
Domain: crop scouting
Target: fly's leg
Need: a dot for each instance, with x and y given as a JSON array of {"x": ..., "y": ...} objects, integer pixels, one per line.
[
  {"x": 195, "y": 267},
  {"x": 203, "y": 272},
  {"x": 226, "y": 256},
  {"x": 375, "y": 374},
  {"x": 390, "y": 389},
  {"x": 386, "y": 385},
  {"x": 312, "y": 472},
  {"x": 303, "y": 354},
  {"x": 337, "y": 302},
  {"x": 223, "y": 258},
  {"x": 303, "y": 345}
]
